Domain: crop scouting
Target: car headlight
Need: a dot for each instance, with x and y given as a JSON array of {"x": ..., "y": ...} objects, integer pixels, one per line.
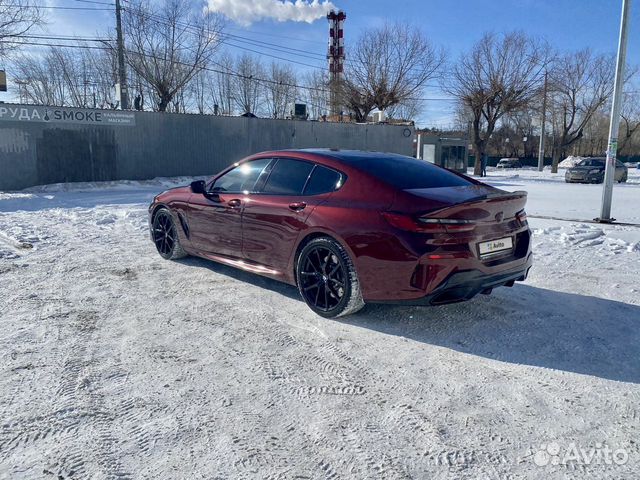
[{"x": 594, "y": 171}]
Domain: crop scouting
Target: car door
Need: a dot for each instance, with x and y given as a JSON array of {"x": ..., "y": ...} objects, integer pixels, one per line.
[
  {"x": 215, "y": 219},
  {"x": 273, "y": 218}
]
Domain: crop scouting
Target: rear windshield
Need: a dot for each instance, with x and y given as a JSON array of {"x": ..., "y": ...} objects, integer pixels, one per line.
[{"x": 408, "y": 173}]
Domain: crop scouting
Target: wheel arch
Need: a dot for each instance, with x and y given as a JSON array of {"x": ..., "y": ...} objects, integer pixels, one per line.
[
  {"x": 156, "y": 208},
  {"x": 309, "y": 236}
]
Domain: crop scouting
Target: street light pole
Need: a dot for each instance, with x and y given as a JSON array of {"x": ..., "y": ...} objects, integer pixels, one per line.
[
  {"x": 122, "y": 73},
  {"x": 544, "y": 118},
  {"x": 610, "y": 168}
]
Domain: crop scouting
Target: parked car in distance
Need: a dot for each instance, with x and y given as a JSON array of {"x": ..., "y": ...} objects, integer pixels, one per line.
[
  {"x": 349, "y": 227},
  {"x": 509, "y": 163},
  {"x": 591, "y": 170}
]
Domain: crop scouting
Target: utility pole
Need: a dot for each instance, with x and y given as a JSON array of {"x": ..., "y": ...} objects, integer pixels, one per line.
[
  {"x": 610, "y": 167},
  {"x": 544, "y": 118},
  {"x": 122, "y": 73}
]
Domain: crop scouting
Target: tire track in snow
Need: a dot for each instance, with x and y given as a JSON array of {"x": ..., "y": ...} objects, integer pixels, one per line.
[
  {"x": 80, "y": 380},
  {"x": 11, "y": 247}
]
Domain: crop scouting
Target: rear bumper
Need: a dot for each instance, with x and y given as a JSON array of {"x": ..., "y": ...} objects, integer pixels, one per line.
[
  {"x": 413, "y": 269},
  {"x": 464, "y": 285}
]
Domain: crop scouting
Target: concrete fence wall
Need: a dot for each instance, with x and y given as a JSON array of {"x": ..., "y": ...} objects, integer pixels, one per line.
[{"x": 41, "y": 145}]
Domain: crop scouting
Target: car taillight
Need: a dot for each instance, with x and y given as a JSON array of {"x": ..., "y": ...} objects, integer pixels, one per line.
[
  {"x": 403, "y": 222},
  {"x": 522, "y": 216},
  {"x": 449, "y": 224},
  {"x": 428, "y": 225}
]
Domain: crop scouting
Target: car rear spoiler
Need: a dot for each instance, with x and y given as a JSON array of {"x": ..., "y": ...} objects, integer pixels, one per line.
[
  {"x": 500, "y": 195},
  {"x": 517, "y": 199}
]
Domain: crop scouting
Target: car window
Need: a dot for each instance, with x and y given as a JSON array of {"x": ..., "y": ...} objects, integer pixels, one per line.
[
  {"x": 408, "y": 173},
  {"x": 323, "y": 180},
  {"x": 242, "y": 178},
  {"x": 288, "y": 177},
  {"x": 591, "y": 162}
]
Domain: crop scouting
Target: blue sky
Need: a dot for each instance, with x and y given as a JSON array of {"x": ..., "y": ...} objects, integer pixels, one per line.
[{"x": 455, "y": 25}]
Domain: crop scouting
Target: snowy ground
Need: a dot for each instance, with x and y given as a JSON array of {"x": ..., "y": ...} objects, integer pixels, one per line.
[{"x": 118, "y": 364}]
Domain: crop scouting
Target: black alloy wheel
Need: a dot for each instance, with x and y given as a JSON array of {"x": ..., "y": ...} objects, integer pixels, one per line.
[
  {"x": 165, "y": 236},
  {"x": 323, "y": 278},
  {"x": 327, "y": 279}
]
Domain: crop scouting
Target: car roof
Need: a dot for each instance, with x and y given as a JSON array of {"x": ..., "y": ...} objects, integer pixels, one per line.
[
  {"x": 333, "y": 156},
  {"x": 345, "y": 156}
]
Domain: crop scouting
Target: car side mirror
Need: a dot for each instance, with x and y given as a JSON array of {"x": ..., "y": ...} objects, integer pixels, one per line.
[{"x": 199, "y": 186}]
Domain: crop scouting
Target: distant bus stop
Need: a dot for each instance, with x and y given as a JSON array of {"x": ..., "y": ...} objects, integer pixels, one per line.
[{"x": 448, "y": 152}]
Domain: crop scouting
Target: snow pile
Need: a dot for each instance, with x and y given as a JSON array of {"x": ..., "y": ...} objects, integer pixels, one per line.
[
  {"x": 569, "y": 162},
  {"x": 161, "y": 182}
]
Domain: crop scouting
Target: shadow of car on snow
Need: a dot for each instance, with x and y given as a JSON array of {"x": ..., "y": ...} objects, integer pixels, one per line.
[{"x": 521, "y": 325}]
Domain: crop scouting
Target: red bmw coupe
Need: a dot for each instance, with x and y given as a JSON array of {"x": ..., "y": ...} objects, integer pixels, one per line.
[{"x": 350, "y": 227}]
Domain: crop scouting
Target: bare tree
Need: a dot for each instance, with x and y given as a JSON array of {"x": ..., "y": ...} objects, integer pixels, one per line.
[
  {"x": 280, "y": 90},
  {"x": 197, "y": 91},
  {"x": 222, "y": 84},
  {"x": 630, "y": 121},
  {"x": 388, "y": 66},
  {"x": 75, "y": 71},
  {"x": 103, "y": 65},
  {"x": 168, "y": 44},
  {"x": 406, "y": 110},
  {"x": 248, "y": 89},
  {"x": 315, "y": 93},
  {"x": 514, "y": 136},
  {"x": 77, "y": 78},
  {"x": 580, "y": 85},
  {"x": 593, "y": 141},
  {"x": 499, "y": 75},
  {"x": 17, "y": 17},
  {"x": 462, "y": 117},
  {"x": 39, "y": 79}
]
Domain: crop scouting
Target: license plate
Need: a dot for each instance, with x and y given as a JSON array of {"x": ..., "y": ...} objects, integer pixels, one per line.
[{"x": 495, "y": 246}]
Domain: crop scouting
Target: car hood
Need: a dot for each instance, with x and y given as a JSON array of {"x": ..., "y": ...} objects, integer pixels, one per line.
[{"x": 174, "y": 194}]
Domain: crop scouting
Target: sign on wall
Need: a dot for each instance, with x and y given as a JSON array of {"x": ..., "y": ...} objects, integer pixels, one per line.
[{"x": 66, "y": 115}]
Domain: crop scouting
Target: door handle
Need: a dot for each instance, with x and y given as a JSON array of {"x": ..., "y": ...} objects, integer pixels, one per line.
[
  {"x": 297, "y": 206},
  {"x": 235, "y": 203}
]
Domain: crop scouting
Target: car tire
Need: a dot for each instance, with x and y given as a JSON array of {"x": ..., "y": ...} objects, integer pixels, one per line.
[
  {"x": 165, "y": 236},
  {"x": 327, "y": 279},
  {"x": 623, "y": 179}
]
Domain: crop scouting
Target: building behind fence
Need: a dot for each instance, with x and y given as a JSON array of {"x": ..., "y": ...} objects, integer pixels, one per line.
[{"x": 42, "y": 145}]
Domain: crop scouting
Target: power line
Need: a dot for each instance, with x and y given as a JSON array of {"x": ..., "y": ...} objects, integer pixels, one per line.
[
  {"x": 270, "y": 55},
  {"x": 66, "y": 38},
  {"x": 55, "y": 7},
  {"x": 95, "y": 2},
  {"x": 223, "y": 72},
  {"x": 62, "y": 45},
  {"x": 279, "y": 36},
  {"x": 260, "y": 44},
  {"x": 304, "y": 53},
  {"x": 194, "y": 30}
]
